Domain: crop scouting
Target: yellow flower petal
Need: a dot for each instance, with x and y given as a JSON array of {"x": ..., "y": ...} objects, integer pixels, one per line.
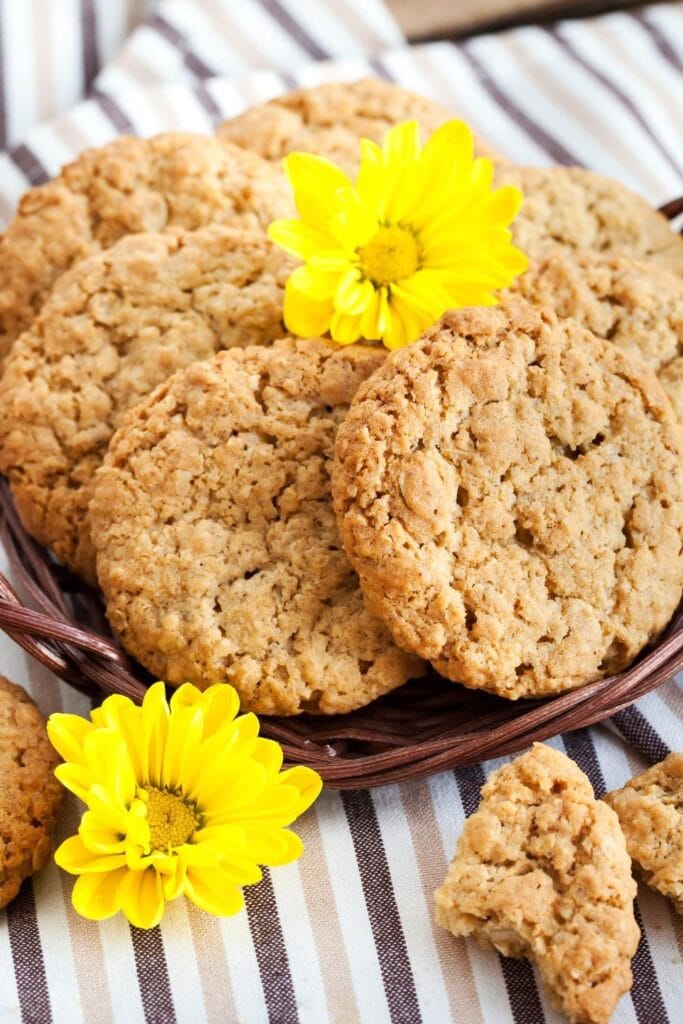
[
  {"x": 98, "y": 896},
  {"x": 67, "y": 733},
  {"x": 298, "y": 239},
  {"x": 353, "y": 295},
  {"x": 155, "y": 718},
  {"x": 273, "y": 846},
  {"x": 345, "y": 329},
  {"x": 315, "y": 181},
  {"x": 143, "y": 899},
  {"x": 74, "y": 857},
  {"x": 305, "y": 316},
  {"x": 210, "y": 890}
]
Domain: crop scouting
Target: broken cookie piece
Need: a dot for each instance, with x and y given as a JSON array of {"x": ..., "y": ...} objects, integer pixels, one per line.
[
  {"x": 542, "y": 871},
  {"x": 650, "y": 809}
]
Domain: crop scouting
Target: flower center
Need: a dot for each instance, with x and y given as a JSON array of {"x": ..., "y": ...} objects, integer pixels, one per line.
[
  {"x": 391, "y": 254},
  {"x": 171, "y": 821}
]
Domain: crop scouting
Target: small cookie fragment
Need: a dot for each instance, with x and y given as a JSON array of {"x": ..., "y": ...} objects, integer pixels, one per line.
[
  {"x": 637, "y": 306},
  {"x": 121, "y": 322},
  {"x": 541, "y": 871},
  {"x": 30, "y": 795},
  {"x": 650, "y": 809},
  {"x": 579, "y": 209},
  {"x": 509, "y": 490},
  {"x": 218, "y": 551},
  {"x": 331, "y": 119},
  {"x": 128, "y": 186}
]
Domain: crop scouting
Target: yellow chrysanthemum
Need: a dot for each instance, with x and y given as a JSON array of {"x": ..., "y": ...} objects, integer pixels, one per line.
[
  {"x": 181, "y": 800},
  {"x": 422, "y": 231}
]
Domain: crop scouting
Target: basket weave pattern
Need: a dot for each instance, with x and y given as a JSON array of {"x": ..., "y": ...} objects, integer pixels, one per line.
[{"x": 424, "y": 727}]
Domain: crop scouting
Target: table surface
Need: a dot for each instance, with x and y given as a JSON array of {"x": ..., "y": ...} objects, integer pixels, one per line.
[{"x": 346, "y": 934}]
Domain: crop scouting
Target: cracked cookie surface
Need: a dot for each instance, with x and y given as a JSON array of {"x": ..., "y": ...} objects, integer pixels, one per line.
[
  {"x": 30, "y": 795},
  {"x": 118, "y": 324},
  {"x": 331, "y": 119},
  {"x": 509, "y": 491},
  {"x": 218, "y": 551},
  {"x": 579, "y": 209},
  {"x": 650, "y": 809},
  {"x": 129, "y": 185},
  {"x": 541, "y": 871},
  {"x": 637, "y": 306}
]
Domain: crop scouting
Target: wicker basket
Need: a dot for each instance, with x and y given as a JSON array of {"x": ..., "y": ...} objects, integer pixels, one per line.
[{"x": 424, "y": 727}]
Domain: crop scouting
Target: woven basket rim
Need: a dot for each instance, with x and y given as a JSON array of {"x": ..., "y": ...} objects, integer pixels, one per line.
[{"x": 421, "y": 728}]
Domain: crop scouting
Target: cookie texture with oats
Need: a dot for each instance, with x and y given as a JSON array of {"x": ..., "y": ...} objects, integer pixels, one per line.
[
  {"x": 541, "y": 871},
  {"x": 217, "y": 548},
  {"x": 30, "y": 795},
  {"x": 330, "y": 120},
  {"x": 509, "y": 490},
  {"x": 650, "y": 809},
  {"x": 121, "y": 322},
  {"x": 637, "y": 306},
  {"x": 579, "y": 209},
  {"x": 129, "y": 185}
]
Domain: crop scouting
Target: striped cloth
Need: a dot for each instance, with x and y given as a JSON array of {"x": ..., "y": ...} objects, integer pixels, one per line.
[{"x": 346, "y": 934}]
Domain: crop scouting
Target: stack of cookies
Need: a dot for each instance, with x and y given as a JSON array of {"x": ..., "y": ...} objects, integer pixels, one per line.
[{"x": 317, "y": 525}]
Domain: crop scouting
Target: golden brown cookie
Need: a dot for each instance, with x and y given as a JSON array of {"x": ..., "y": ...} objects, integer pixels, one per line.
[
  {"x": 637, "y": 306},
  {"x": 509, "y": 490},
  {"x": 30, "y": 796},
  {"x": 650, "y": 809},
  {"x": 218, "y": 551},
  {"x": 118, "y": 324},
  {"x": 541, "y": 871},
  {"x": 127, "y": 186},
  {"x": 331, "y": 119},
  {"x": 579, "y": 209}
]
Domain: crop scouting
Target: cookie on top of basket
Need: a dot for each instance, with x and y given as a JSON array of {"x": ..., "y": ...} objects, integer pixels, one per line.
[{"x": 425, "y": 228}]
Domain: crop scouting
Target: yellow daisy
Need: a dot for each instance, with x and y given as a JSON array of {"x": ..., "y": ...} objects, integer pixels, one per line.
[
  {"x": 183, "y": 799},
  {"x": 420, "y": 232}
]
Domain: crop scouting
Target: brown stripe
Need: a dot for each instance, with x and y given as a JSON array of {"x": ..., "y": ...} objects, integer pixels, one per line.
[
  {"x": 322, "y": 911},
  {"x": 214, "y": 974},
  {"x": 456, "y": 969},
  {"x": 85, "y": 937},
  {"x": 637, "y": 731},
  {"x": 659, "y": 39},
  {"x": 552, "y": 146},
  {"x": 27, "y": 954},
  {"x": 29, "y": 164},
  {"x": 381, "y": 905},
  {"x": 520, "y": 983},
  {"x": 89, "y": 47},
  {"x": 646, "y": 996},
  {"x": 609, "y": 84},
  {"x": 208, "y": 102},
  {"x": 271, "y": 951},
  {"x": 171, "y": 34},
  {"x": 113, "y": 112},
  {"x": 294, "y": 29},
  {"x": 150, "y": 964}
]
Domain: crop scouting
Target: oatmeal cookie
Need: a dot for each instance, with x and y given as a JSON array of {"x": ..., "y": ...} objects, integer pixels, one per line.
[
  {"x": 579, "y": 209},
  {"x": 650, "y": 809},
  {"x": 637, "y": 306},
  {"x": 541, "y": 871},
  {"x": 127, "y": 186},
  {"x": 331, "y": 119},
  {"x": 30, "y": 796},
  {"x": 509, "y": 490},
  {"x": 118, "y": 324},
  {"x": 217, "y": 547}
]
